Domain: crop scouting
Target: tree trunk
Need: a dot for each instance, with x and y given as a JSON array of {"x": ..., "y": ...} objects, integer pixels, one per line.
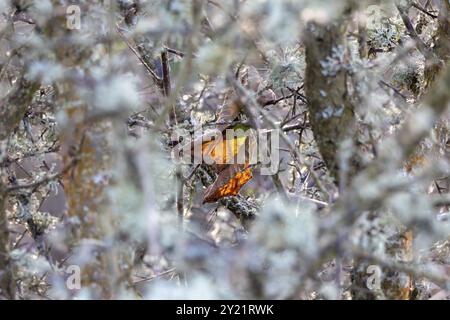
[
  {"x": 7, "y": 283},
  {"x": 442, "y": 44},
  {"x": 333, "y": 122},
  {"x": 12, "y": 110},
  {"x": 330, "y": 110}
]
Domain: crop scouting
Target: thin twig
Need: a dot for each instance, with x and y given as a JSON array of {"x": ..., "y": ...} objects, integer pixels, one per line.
[
  {"x": 421, "y": 46},
  {"x": 384, "y": 83},
  {"x": 419, "y": 7},
  {"x": 43, "y": 180},
  {"x": 250, "y": 99},
  {"x": 156, "y": 79},
  {"x": 175, "y": 52}
]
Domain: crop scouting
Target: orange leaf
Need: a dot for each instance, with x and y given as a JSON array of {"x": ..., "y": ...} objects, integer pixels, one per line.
[
  {"x": 223, "y": 151},
  {"x": 228, "y": 183}
]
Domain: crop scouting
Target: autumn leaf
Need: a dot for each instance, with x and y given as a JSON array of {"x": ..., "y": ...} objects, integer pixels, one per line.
[
  {"x": 232, "y": 176},
  {"x": 223, "y": 151},
  {"x": 227, "y": 115},
  {"x": 228, "y": 182}
]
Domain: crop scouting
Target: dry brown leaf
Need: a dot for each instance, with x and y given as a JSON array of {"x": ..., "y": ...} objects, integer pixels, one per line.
[
  {"x": 266, "y": 96},
  {"x": 228, "y": 114},
  {"x": 252, "y": 80}
]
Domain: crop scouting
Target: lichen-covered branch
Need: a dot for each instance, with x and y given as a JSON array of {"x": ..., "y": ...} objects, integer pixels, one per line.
[
  {"x": 15, "y": 104},
  {"x": 331, "y": 112},
  {"x": 7, "y": 283}
]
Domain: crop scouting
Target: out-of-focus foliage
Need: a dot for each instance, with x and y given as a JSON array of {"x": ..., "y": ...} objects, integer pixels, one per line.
[{"x": 92, "y": 94}]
